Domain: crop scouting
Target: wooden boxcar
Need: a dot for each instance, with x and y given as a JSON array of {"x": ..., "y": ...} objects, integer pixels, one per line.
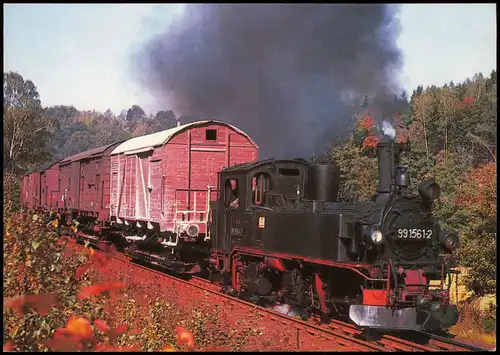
[
  {"x": 39, "y": 188},
  {"x": 95, "y": 183},
  {"x": 84, "y": 183},
  {"x": 49, "y": 186},
  {"x": 166, "y": 180}
]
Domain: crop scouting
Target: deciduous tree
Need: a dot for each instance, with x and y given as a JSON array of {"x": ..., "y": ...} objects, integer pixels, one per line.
[{"x": 27, "y": 127}]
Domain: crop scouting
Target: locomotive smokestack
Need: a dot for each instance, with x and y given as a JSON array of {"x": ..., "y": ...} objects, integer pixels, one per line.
[{"x": 388, "y": 157}]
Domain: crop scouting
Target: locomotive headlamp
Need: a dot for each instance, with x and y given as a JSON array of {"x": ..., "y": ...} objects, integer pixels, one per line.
[
  {"x": 376, "y": 237},
  {"x": 449, "y": 241},
  {"x": 192, "y": 230},
  {"x": 429, "y": 189}
]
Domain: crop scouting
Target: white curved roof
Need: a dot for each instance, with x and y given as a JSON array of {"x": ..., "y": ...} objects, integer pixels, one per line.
[{"x": 149, "y": 141}]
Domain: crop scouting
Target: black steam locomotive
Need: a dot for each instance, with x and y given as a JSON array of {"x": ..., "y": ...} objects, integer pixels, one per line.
[{"x": 278, "y": 232}]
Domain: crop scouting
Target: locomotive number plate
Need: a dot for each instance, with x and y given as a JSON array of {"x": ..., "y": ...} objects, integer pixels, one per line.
[{"x": 415, "y": 233}]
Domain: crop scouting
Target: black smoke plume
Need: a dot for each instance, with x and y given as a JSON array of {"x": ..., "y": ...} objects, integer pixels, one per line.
[{"x": 284, "y": 73}]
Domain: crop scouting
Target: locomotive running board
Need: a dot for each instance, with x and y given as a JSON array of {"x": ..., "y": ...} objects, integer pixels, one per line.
[{"x": 384, "y": 318}]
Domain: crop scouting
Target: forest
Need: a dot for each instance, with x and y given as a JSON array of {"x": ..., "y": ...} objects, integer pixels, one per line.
[{"x": 452, "y": 132}]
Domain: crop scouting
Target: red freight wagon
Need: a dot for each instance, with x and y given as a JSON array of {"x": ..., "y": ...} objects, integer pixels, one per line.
[
  {"x": 31, "y": 190},
  {"x": 39, "y": 188},
  {"x": 166, "y": 180},
  {"x": 25, "y": 194},
  {"x": 49, "y": 181},
  {"x": 84, "y": 182},
  {"x": 95, "y": 183}
]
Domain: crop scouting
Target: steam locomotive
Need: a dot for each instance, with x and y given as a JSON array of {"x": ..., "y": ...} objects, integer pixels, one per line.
[
  {"x": 280, "y": 233},
  {"x": 275, "y": 231}
]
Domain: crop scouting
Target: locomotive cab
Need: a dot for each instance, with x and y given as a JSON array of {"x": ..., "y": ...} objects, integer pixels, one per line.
[{"x": 246, "y": 188}]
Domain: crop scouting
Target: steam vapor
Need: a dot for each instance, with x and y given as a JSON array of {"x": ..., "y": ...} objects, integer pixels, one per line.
[
  {"x": 286, "y": 74},
  {"x": 388, "y": 130}
]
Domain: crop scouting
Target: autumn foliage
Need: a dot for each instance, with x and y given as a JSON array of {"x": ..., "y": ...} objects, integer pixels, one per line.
[
  {"x": 479, "y": 194},
  {"x": 466, "y": 102},
  {"x": 475, "y": 216},
  {"x": 95, "y": 290},
  {"x": 39, "y": 287},
  {"x": 49, "y": 303},
  {"x": 369, "y": 131},
  {"x": 452, "y": 133}
]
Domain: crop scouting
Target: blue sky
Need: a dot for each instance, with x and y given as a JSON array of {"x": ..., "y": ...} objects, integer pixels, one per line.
[{"x": 79, "y": 54}]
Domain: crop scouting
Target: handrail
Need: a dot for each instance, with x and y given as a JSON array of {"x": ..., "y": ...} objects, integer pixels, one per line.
[{"x": 194, "y": 211}]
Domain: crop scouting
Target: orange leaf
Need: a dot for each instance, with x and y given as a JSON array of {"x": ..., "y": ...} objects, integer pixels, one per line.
[
  {"x": 17, "y": 304},
  {"x": 95, "y": 290},
  {"x": 185, "y": 337},
  {"x": 366, "y": 123},
  {"x": 370, "y": 141},
  {"x": 8, "y": 346},
  {"x": 121, "y": 329},
  {"x": 41, "y": 303},
  {"x": 63, "y": 340},
  {"x": 79, "y": 326},
  {"x": 101, "y": 325},
  {"x": 116, "y": 332},
  {"x": 168, "y": 348}
]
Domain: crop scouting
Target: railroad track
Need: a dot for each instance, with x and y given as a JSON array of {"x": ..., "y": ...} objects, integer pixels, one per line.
[
  {"x": 428, "y": 341},
  {"x": 341, "y": 335},
  {"x": 420, "y": 341},
  {"x": 446, "y": 344},
  {"x": 336, "y": 340}
]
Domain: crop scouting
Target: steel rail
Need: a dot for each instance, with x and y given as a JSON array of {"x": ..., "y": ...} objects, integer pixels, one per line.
[{"x": 450, "y": 344}]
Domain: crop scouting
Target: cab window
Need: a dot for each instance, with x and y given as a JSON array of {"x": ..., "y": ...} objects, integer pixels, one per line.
[
  {"x": 261, "y": 184},
  {"x": 231, "y": 194}
]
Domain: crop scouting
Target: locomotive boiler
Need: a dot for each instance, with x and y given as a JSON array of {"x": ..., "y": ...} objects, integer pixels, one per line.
[{"x": 281, "y": 234}]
